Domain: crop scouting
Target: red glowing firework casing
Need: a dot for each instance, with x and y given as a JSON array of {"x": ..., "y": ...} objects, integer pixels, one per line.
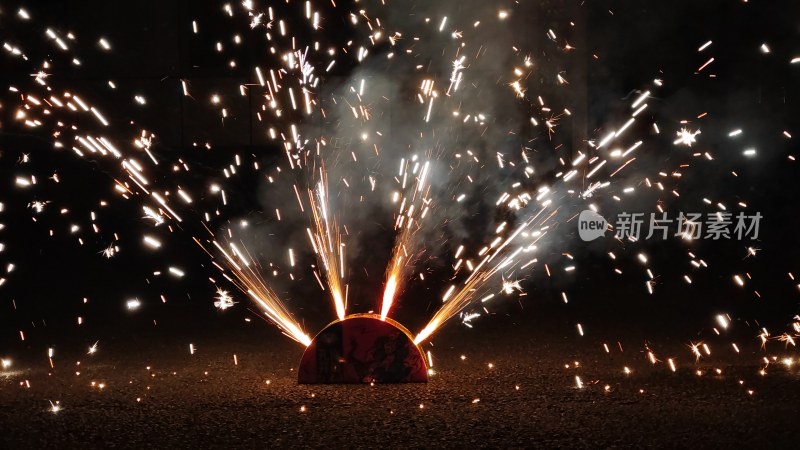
[{"x": 362, "y": 348}]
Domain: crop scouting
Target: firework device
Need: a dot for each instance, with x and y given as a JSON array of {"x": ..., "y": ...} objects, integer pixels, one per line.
[{"x": 363, "y": 348}]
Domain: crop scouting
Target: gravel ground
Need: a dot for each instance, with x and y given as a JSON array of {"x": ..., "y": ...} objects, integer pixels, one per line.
[{"x": 156, "y": 394}]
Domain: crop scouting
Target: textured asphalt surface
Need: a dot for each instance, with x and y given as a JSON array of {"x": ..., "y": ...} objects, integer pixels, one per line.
[{"x": 158, "y": 395}]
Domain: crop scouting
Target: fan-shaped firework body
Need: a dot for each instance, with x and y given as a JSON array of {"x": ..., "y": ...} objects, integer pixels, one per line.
[{"x": 362, "y": 348}]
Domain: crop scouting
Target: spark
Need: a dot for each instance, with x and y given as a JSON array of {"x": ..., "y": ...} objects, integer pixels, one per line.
[
  {"x": 327, "y": 243},
  {"x": 686, "y": 137},
  {"x": 55, "y": 407},
  {"x": 224, "y": 300},
  {"x": 133, "y": 304},
  {"x": 152, "y": 242},
  {"x": 249, "y": 281}
]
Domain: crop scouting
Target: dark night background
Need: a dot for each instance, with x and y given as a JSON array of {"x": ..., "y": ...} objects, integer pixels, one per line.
[
  {"x": 634, "y": 42},
  {"x": 154, "y": 49}
]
